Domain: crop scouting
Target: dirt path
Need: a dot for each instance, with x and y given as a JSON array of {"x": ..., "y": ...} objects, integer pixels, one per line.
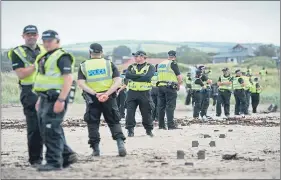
[{"x": 258, "y": 149}]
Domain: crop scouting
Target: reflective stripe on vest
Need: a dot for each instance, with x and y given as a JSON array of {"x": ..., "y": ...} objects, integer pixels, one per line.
[
  {"x": 52, "y": 79},
  {"x": 223, "y": 80},
  {"x": 247, "y": 82},
  {"x": 196, "y": 86},
  {"x": 98, "y": 73},
  {"x": 140, "y": 86},
  {"x": 236, "y": 84},
  {"x": 165, "y": 73},
  {"x": 254, "y": 88}
]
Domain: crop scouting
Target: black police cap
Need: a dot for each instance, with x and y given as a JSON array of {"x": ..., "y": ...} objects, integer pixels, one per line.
[
  {"x": 237, "y": 71},
  {"x": 96, "y": 48},
  {"x": 225, "y": 69},
  {"x": 172, "y": 53},
  {"x": 30, "y": 29},
  {"x": 139, "y": 53},
  {"x": 50, "y": 34}
]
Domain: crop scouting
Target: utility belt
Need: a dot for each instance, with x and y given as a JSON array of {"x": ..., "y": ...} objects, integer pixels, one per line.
[
  {"x": 224, "y": 90},
  {"x": 169, "y": 84},
  {"x": 89, "y": 98},
  {"x": 51, "y": 95}
]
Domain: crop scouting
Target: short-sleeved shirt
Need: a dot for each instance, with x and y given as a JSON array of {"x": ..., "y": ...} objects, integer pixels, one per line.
[
  {"x": 228, "y": 76},
  {"x": 63, "y": 63},
  {"x": 175, "y": 68},
  {"x": 31, "y": 56},
  {"x": 115, "y": 72}
]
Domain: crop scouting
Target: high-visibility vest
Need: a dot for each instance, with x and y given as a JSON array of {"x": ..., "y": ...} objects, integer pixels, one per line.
[
  {"x": 123, "y": 79},
  {"x": 263, "y": 72},
  {"x": 235, "y": 83},
  {"x": 254, "y": 88},
  {"x": 140, "y": 86},
  {"x": 247, "y": 82},
  {"x": 188, "y": 80},
  {"x": 52, "y": 79},
  {"x": 20, "y": 52},
  {"x": 154, "y": 79},
  {"x": 98, "y": 73},
  {"x": 249, "y": 71},
  {"x": 224, "y": 86},
  {"x": 165, "y": 73},
  {"x": 196, "y": 87}
]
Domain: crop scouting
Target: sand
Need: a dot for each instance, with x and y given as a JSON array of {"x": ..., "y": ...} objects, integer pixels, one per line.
[{"x": 256, "y": 142}]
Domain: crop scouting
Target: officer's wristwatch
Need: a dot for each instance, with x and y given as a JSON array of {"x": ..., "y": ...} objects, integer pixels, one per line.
[{"x": 61, "y": 100}]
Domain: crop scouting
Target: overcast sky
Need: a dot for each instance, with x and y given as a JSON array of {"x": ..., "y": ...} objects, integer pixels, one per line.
[{"x": 91, "y": 21}]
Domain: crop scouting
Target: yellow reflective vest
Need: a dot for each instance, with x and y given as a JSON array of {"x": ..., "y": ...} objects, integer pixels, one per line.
[
  {"x": 140, "y": 86},
  {"x": 235, "y": 83},
  {"x": 247, "y": 82},
  {"x": 98, "y": 73},
  {"x": 223, "y": 80},
  {"x": 254, "y": 88},
  {"x": 196, "y": 87},
  {"x": 165, "y": 73},
  {"x": 154, "y": 79},
  {"x": 20, "y": 52},
  {"x": 52, "y": 79}
]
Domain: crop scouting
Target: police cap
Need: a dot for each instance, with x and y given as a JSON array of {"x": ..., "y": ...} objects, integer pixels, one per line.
[
  {"x": 95, "y": 48},
  {"x": 30, "y": 29},
  {"x": 50, "y": 34},
  {"x": 172, "y": 53}
]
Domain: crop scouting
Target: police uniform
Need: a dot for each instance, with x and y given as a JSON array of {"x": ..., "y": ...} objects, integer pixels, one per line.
[
  {"x": 239, "y": 94},
  {"x": 48, "y": 84},
  {"x": 188, "y": 87},
  {"x": 224, "y": 94},
  {"x": 99, "y": 75},
  {"x": 167, "y": 91},
  {"x": 122, "y": 97},
  {"x": 247, "y": 87},
  {"x": 22, "y": 57},
  {"x": 197, "y": 96},
  {"x": 154, "y": 96},
  {"x": 263, "y": 74},
  {"x": 139, "y": 86},
  {"x": 255, "y": 94}
]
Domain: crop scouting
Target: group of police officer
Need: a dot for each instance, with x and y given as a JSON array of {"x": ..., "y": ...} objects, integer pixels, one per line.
[
  {"x": 243, "y": 85},
  {"x": 45, "y": 79}
]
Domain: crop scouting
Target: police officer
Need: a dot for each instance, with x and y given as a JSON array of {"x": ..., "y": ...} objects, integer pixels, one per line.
[
  {"x": 169, "y": 81},
  {"x": 249, "y": 71},
  {"x": 52, "y": 84},
  {"x": 188, "y": 87},
  {"x": 263, "y": 73},
  {"x": 121, "y": 95},
  {"x": 23, "y": 58},
  {"x": 100, "y": 78},
  {"x": 225, "y": 87},
  {"x": 197, "y": 87},
  {"x": 248, "y": 84},
  {"x": 154, "y": 94},
  {"x": 239, "y": 94},
  {"x": 255, "y": 94},
  {"x": 139, "y": 75}
]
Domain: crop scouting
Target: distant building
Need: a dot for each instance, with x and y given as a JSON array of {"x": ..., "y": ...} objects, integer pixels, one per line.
[{"x": 237, "y": 54}]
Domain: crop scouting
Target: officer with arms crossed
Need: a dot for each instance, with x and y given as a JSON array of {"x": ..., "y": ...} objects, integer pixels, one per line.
[
  {"x": 23, "y": 58},
  {"x": 239, "y": 94},
  {"x": 225, "y": 87},
  {"x": 53, "y": 83},
  {"x": 139, "y": 75},
  {"x": 169, "y": 81},
  {"x": 99, "y": 80}
]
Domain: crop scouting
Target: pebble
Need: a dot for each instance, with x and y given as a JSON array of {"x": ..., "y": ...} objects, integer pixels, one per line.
[
  {"x": 230, "y": 130},
  {"x": 207, "y": 136},
  {"x": 189, "y": 164},
  {"x": 201, "y": 154},
  {"x": 212, "y": 144},
  {"x": 222, "y": 136}
]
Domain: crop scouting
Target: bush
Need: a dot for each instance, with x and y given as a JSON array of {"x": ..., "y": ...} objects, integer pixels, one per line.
[{"x": 260, "y": 61}]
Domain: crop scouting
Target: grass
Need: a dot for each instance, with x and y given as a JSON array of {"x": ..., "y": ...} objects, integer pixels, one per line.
[{"x": 270, "y": 94}]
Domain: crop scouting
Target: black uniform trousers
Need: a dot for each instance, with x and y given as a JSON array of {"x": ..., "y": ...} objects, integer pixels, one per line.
[
  {"x": 52, "y": 133},
  {"x": 154, "y": 96},
  {"x": 188, "y": 96},
  {"x": 34, "y": 141},
  {"x": 121, "y": 102},
  {"x": 223, "y": 99},
  {"x": 240, "y": 102},
  {"x": 255, "y": 101},
  {"x": 144, "y": 101},
  {"x": 111, "y": 114},
  {"x": 201, "y": 102},
  {"x": 248, "y": 97},
  {"x": 167, "y": 98}
]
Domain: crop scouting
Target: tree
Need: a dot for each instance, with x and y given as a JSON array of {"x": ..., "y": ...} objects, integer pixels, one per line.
[
  {"x": 121, "y": 51},
  {"x": 266, "y": 50}
]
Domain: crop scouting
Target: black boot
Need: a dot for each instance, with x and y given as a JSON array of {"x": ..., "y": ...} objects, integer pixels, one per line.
[
  {"x": 131, "y": 132},
  {"x": 149, "y": 133},
  {"x": 48, "y": 167},
  {"x": 71, "y": 159},
  {"x": 96, "y": 150},
  {"x": 36, "y": 164},
  {"x": 121, "y": 147}
]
